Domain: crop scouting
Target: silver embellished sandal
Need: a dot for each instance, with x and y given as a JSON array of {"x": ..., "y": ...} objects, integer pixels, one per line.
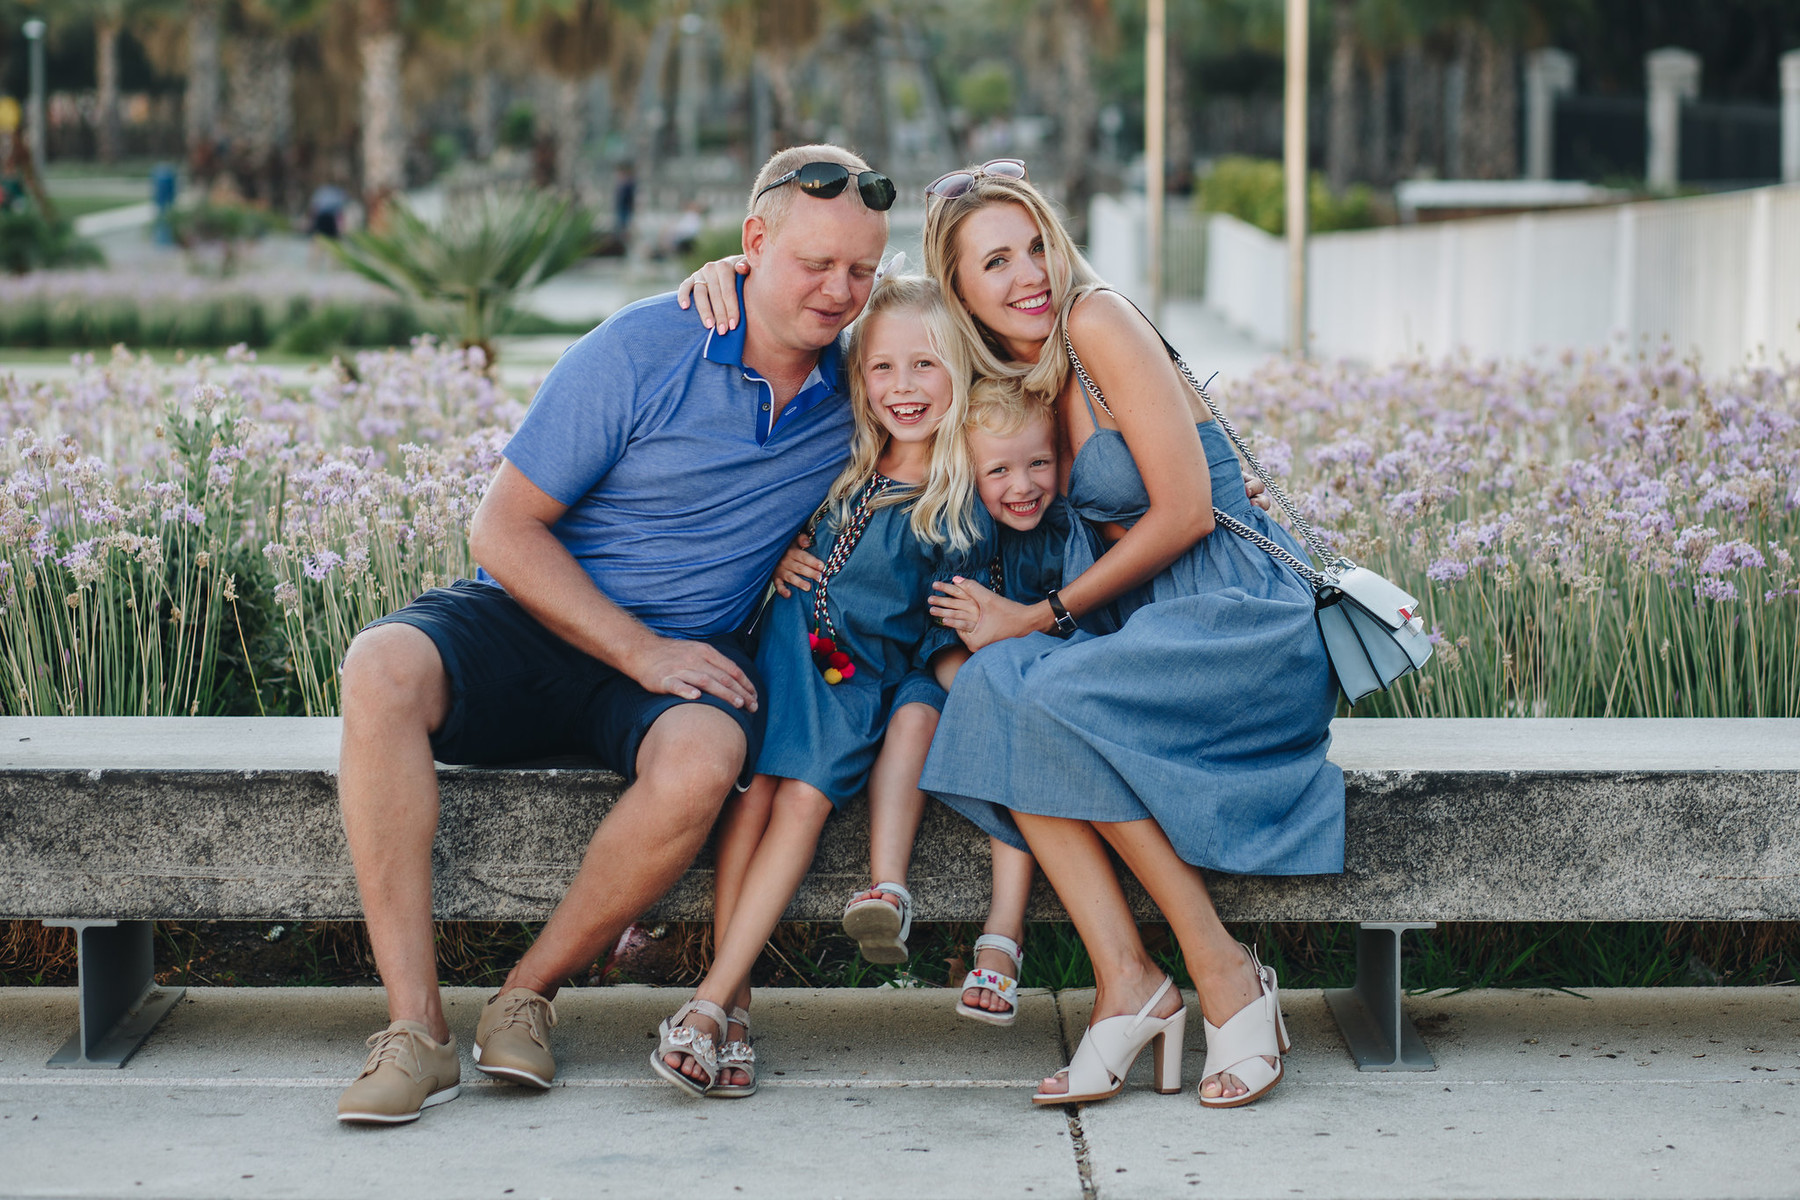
[
  {"x": 736, "y": 1056},
  {"x": 676, "y": 1038}
]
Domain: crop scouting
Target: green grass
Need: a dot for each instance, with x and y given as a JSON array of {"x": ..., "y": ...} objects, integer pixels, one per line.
[{"x": 1572, "y": 956}]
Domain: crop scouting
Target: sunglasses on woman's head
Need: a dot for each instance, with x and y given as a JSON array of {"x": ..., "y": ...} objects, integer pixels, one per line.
[
  {"x": 826, "y": 181},
  {"x": 957, "y": 183}
]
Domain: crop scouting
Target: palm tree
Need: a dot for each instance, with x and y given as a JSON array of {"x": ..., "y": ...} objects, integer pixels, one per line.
[
  {"x": 200, "y": 106},
  {"x": 573, "y": 39}
]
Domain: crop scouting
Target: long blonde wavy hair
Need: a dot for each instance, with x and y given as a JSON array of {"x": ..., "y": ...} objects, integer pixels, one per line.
[
  {"x": 1071, "y": 278},
  {"x": 943, "y": 507}
]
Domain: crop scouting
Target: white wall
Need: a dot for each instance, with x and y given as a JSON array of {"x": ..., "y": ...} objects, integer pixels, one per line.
[{"x": 1715, "y": 274}]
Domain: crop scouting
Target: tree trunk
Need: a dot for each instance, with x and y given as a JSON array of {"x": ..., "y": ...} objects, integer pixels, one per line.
[
  {"x": 1490, "y": 107},
  {"x": 1376, "y": 166},
  {"x": 260, "y": 116},
  {"x": 1340, "y": 146},
  {"x": 1066, "y": 91},
  {"x": 383, "y": 129},
  {"x": 571, "y": 130},
  {"x": 106, "y": 76},
  {"x": 649, "y": 116},
  {"x": 200, "y": 108},
  {"x": 483, "y": 113}
]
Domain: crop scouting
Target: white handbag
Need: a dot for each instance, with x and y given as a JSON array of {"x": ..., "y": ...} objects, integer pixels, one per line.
[{"x": 1372, "y": 630}]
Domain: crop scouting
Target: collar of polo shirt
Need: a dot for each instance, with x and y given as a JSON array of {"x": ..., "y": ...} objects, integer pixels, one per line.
[{"x": 728, "y": 348}]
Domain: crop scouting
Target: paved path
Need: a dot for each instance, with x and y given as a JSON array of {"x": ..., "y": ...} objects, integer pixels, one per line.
[{"x": 1666, "y": 1093}]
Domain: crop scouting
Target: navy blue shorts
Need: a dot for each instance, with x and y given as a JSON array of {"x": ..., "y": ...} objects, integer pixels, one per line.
[{"x": 518, "y": 692}]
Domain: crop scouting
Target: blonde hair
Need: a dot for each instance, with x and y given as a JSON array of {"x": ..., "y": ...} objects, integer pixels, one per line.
[
  {"x": 774, "y": 207},
  {"x": 1071, "y": 278},
  {"x": 943, "y": 508},
  {"x": 1001, "y": 407}
]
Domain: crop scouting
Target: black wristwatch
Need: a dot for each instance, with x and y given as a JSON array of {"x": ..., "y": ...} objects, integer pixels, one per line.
[{"x": 1065, "y": 622}]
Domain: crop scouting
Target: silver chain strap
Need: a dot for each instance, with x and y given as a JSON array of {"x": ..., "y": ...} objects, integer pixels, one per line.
[{"x": 1301, "y": 525}]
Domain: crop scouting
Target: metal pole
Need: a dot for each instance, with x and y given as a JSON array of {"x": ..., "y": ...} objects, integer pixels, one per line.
[
  {"x": 1294, "y": 156},
  {"x": 34, "y": 112},
  {"x": 1156, "y": 100}
]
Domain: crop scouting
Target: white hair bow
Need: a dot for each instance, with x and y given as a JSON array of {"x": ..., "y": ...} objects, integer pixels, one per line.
[{"x": 892, "y": 266}]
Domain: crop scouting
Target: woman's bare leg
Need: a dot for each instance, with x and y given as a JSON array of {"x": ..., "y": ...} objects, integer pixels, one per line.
[
  {"x": 1221, "y": 973},
  {"x": 1013, "y": 871},
  {"x": 1075, "y": 862}
]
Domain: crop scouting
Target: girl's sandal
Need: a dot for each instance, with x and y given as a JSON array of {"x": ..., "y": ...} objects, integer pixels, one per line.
[
  {"x": 676, "y": 1038},
  {"x": 880, "y": 928},
  {"x": 1004, "y": 986},
  {"x": 1242, "y": 1046},
  {"x": 736, "y": 1056}
]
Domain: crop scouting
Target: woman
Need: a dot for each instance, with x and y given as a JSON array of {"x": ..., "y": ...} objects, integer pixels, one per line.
[{"x": 1193, "y": 736}]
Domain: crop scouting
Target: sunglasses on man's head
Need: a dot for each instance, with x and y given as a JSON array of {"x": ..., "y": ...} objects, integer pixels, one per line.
[
  {"x": 958, "y": 183},
  {"x": 826, "y": 181}
]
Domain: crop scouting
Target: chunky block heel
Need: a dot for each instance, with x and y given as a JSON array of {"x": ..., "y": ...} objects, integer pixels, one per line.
[{"x": 1110, "y": 1046}]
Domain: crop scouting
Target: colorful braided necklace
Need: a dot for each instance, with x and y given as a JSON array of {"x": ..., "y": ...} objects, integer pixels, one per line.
[{"x": 833, "y": 663}]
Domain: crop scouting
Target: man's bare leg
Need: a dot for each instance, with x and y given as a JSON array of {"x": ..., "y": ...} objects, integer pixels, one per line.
[
  {"x": 686, "y": 766},
  {"x": 395, "y": 695}
]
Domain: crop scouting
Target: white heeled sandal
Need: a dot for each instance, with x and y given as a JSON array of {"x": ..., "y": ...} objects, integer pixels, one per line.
[
  {"x": 1004, "y": 986},
  {"x": 880, "y": 928},
  {"x": 1109, "y": 1047},
  {"x": 1255, "y": 1033}
]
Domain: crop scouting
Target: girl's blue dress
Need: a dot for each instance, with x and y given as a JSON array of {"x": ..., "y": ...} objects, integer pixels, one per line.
[
  {"x": 827, "y": 735},
  {"x": 1207, "y": 711}
]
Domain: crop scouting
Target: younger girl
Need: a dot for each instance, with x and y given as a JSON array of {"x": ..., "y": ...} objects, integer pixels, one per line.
[
  {"x": 902, "y": 515},
  {"x": 1012, "y": 446}
]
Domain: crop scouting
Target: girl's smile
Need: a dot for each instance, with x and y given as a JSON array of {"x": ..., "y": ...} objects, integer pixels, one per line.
[{"x": 908, "y": 386}]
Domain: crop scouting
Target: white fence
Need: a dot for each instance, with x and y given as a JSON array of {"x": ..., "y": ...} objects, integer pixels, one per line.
[{"x": 1719, "y": 275}]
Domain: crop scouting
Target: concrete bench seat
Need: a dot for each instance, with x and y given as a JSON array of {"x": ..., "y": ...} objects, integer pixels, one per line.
[{"x": 109, "y": 824}]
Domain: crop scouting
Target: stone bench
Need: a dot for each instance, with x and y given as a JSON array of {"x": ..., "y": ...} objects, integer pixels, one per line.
[{"x": 108, "y": 824}]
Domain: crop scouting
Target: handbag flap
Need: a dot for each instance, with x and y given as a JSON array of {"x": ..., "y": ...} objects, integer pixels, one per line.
[{"x": 1378, "y": 596}]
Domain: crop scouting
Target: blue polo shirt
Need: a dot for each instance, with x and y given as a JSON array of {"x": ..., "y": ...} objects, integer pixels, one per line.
[{"x": 684, "y": 485}]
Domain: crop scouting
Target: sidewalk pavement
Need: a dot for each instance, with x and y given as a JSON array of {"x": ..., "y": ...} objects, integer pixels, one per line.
[{"x": 879, "y": 1093}]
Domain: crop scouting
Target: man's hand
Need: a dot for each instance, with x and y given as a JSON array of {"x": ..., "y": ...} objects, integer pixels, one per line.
[
  {"x": 712, "y": 290},
  {"x": 678, "y": 667},
  {"x": 797, "y": 568}
]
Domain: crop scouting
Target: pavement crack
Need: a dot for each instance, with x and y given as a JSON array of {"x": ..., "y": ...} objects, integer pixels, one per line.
[{"x": 1084, "y": 1169}]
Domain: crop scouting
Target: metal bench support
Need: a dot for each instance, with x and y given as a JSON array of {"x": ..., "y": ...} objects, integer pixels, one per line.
[
  {"x": 1369, "y": 1013},
  {"x": 120, "y": 1002}
]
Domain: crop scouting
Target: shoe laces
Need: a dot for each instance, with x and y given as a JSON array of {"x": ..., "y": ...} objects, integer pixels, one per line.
[
  {"x": 387, "y": 1047},
  {"x": 530, "y": 1011}
]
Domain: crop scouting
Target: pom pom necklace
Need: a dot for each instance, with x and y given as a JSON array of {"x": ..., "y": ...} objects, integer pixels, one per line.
[{"x": 833, "y": 663}]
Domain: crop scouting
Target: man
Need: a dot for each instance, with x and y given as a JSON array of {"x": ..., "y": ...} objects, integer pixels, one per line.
[{"x": 625, "y": 541}]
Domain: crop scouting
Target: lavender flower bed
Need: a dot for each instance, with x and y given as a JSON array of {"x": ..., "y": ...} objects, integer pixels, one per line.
[{"x": 1590, "y": 539}]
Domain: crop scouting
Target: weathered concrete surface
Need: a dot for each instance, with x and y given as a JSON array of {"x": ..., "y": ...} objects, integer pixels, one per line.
[
  {"x": 1626, "y": 1093},
  {"x": 1660, "y": 1093},
  {"x": 867, "y": 1094},
  {"x": 1448, "y": 820}
]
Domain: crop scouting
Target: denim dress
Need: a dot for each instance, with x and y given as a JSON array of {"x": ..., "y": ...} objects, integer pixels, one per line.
[
  {"x": 1208, "y": 710},
  {"x": 826, "y": 734},
  {"x": 1026, "y": 565}
]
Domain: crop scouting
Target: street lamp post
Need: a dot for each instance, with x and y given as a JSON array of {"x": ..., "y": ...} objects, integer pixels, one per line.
[
  {"x": 1294, "y": 156},
  {"x": 1156, "y": 97},
  {"x": 34, "y": 111}
]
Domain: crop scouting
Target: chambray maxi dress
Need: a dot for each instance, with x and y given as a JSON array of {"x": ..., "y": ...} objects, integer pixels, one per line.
[
  {"x": 1208, "y": 710},
  {"x": 827, "y": 734},
  {"x": 1029, "y": 563}
]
